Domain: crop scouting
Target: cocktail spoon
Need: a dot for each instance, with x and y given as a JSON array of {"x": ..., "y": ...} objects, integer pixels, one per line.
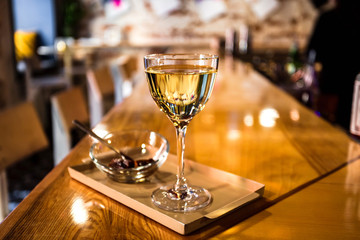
[{"x": 100, "y": 139}]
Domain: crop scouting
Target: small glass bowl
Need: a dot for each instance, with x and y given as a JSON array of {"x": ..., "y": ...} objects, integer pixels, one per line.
[{"x": 137, "y": 144}]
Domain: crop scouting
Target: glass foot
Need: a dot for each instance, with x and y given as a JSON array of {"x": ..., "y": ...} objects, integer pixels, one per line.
[{"x": 193, "y": 199}]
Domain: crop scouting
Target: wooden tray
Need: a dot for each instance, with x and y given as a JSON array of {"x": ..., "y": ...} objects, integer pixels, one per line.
[{"x": 228, "y": 191}]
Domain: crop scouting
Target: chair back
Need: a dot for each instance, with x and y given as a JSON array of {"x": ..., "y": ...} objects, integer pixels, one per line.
[
  {"x": 67, "y": 106},
  {"x": 100, "y": 92},
  {"x": 70, "y": 104},
  {"x": 21, "y": 134},
  {"x": 130, "y": 66}
]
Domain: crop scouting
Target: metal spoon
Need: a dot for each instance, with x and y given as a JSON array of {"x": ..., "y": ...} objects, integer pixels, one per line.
[{"x": 103, "y": 141}]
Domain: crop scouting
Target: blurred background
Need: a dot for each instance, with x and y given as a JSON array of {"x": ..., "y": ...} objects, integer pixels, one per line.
[{"x": 52, "y": 53}]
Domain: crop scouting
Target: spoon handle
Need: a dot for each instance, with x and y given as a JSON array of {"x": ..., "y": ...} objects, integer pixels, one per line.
[{"x": 94, "y": 135}]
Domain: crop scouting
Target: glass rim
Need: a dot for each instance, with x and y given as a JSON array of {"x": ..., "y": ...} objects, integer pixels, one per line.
[{"x": 182, "y": 56}]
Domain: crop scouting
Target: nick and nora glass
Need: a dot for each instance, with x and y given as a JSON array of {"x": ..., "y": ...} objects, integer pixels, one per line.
[{"x": 181, "y": 84}]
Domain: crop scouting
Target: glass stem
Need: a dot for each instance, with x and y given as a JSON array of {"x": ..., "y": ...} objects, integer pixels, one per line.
[{"x": 180, "y": 185}]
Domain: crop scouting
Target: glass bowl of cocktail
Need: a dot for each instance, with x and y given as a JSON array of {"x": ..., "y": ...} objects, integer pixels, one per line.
[{"x": 181, "y": 85}]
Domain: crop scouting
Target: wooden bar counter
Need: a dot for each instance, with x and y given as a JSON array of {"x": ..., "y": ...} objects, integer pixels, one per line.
[{"x": 311, "y": 170}]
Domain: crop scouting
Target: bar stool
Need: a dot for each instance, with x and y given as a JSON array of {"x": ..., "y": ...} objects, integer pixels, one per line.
[
  {"x": 22, "y": 136},
  {"x": 65, "y": 107},
  {"x": 101, "y": 92}
]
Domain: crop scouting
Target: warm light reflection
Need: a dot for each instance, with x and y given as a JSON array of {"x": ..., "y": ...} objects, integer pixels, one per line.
[
  {"x": 79, "y": 212},
  {"x": 60, "y": 46},
  {"x": 101, "y": 130},
  {"x": 143, "y": 148},
  {"x": 249, "y": 120},
  {"x": 152, "y": 139},
  {"x": 267, "y": 117},
  {"x": 294, "y": 115},
  {"x": 233, "y": 134}
]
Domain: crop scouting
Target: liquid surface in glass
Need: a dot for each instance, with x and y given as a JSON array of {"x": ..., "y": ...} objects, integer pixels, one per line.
[{"x": 181, "y": 91}]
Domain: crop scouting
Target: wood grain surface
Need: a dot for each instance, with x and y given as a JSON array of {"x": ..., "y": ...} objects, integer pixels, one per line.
[{"x": 249, "y": 128}]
